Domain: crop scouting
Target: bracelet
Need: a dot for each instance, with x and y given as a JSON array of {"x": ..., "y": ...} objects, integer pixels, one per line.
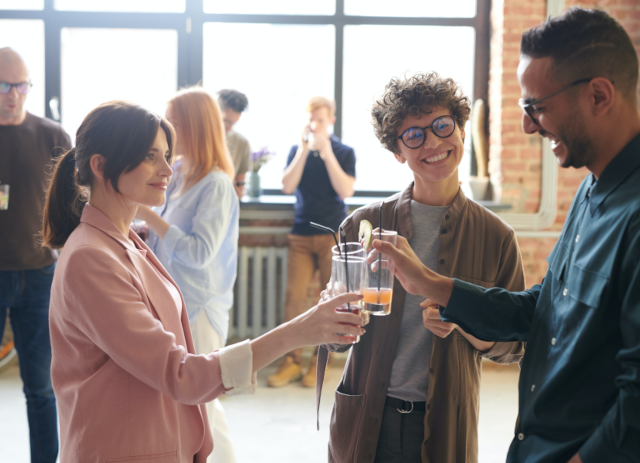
[{"x": 240, "y": 183}]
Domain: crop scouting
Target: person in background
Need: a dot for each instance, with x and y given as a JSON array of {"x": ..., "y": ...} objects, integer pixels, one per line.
[
  {"x": 321, "y": 171},
  {"x": 195, "y": 235},
  {"x": 579, "y": 388},
  {"x": 129, "y": 384},
  {"x": 28, "y": 144},
  {"x": 233, "y": 104},
  {"x": 422, "y": 388}
]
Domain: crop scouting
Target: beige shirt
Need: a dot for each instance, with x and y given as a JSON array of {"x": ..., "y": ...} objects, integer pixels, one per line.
[
  {"x": 240, "y": 152},
  {"x": 475, "y": 246}
]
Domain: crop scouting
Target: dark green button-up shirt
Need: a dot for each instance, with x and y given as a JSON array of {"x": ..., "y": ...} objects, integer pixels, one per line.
[{"x": 580, "y": 380}]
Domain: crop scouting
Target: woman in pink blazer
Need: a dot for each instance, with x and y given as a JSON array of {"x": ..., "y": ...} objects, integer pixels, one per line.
[{"x": 128, "y": 383}]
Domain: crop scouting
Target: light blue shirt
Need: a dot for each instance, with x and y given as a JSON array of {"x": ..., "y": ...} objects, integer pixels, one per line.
[{"x": 200, "y": 249}]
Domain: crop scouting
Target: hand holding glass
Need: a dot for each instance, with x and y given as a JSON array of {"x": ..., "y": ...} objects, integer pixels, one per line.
[
  {"x": 378, "y": 284},
  {"x": 347, "y": 275}
]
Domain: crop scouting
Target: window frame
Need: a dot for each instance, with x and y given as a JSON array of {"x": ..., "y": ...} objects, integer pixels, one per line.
[{"x": 190, "y": 25}]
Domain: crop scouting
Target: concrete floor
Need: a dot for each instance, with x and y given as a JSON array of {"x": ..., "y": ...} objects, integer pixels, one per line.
[{"x": 279, "y": 425}]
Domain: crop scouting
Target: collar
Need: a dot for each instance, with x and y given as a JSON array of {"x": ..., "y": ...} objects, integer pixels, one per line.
[
  {"x": 617, "y": 171},
  {"x": 403, "y": 220},
  {"x": 97, "y": 219}
]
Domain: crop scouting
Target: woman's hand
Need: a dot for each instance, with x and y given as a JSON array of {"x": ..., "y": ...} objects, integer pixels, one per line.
[
  {"x": 433, "y": 322},
  {"x": 155, "y": 222},
  {"x": 320, "y": 324},
  {"x": 317, "y": 325},
  {"x": 142, "y": 213}
]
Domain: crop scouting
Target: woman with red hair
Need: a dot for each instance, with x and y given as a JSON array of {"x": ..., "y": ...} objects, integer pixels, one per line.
[{"x": 195, "y": 233}]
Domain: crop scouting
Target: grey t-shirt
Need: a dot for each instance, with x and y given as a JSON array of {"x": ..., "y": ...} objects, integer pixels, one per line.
[{"x": 410, "y": 371}]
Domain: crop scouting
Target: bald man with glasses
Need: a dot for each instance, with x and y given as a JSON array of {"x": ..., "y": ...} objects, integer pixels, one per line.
[{"x": 28, "y": 145}]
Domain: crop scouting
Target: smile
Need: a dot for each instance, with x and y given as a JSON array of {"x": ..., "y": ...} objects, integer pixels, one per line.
[
  {"x": 159, "y": 186},
  {"x": 437, "y": 157}
]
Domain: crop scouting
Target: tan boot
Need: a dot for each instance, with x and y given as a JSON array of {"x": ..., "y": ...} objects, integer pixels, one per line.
[
  {"x": 288, "y": 371},
  {"x": 309, "y": 379}
]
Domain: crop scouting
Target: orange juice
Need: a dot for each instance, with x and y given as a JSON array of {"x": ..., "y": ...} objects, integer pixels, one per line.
[{"x": 377, "y": 302}]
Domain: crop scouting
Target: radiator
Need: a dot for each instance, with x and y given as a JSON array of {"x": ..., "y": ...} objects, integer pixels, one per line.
[{"x": 259, "y": 293}]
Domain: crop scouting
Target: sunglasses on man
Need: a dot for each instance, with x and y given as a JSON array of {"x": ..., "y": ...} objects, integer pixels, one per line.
[{"x": 22, "y": 87}]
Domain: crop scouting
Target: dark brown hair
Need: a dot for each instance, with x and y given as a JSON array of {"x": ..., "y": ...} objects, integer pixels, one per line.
[
  {"x": 233, "y": 99},
  {"x": 123, "y": 133},
  {"x": 419, "y": 94},
  {"x": 585, "y": 44}
]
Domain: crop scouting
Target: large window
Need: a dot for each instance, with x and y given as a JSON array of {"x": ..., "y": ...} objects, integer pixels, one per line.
[
  {"x": 447, "y": 50},
  {"x": 277, "y": 73},
  {"x": 99, "y": 65},
  {"x": 279, "y": 53}
]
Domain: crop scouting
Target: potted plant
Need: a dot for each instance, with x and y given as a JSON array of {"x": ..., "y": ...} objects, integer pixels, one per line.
[{"x": 258, "y": 159}]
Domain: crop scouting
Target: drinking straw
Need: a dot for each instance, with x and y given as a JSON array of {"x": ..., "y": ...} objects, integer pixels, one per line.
[
  {"x": 330, "y": 230},
  {"x": 379, "y": 253},
  {"x": 343, "y": 238}
]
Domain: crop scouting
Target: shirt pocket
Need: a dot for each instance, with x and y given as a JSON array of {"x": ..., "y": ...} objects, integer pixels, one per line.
[
  {"x": 587, "y": 286},
  {"x": 346, "y": 425}
]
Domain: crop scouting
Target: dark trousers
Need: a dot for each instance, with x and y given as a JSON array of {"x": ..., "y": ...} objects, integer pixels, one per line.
[
  {"x": 401, "y": 436},
  {"x": 26, "y": 294}
]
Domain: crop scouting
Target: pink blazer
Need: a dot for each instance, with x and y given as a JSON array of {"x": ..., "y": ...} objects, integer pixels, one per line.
[{"x": 128, "y": 384}]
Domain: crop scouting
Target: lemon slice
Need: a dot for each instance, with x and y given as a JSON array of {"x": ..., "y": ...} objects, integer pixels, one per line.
[{"x": 364, "y": 234}]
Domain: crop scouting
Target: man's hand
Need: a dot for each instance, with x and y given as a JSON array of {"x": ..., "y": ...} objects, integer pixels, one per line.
[
  {"x": 304, "y": 140},
  {"x": 409, "y": 271},
  {"x": 433, "y": 322},
  {"x": 240, "y": 189},
  {"x": 322, "y": 144},
  {"x": 415, "y": 277}
]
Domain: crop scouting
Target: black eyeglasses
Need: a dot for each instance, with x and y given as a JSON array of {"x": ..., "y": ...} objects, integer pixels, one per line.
[
  {"x": 22, "y": 87},
  {"x": 528, "y": 108},
  {"x": 442, "y": 127}
]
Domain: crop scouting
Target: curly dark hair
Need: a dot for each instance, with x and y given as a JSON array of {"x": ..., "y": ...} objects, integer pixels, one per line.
[
  {"x": 232, "y": 99},
  {"x": 419, "y": 94}
]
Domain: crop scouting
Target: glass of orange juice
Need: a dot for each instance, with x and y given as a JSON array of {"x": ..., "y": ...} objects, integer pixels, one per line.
[
  {"x": 347, "y": 275},
  {"x": 378, "y": 284}
]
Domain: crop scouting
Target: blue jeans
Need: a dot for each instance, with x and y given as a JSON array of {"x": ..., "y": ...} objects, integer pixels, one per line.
[{"x": 26, "y": 294}]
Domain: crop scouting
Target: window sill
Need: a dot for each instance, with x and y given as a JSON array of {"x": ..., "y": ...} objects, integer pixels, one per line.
[{"x": 280, "y": 206}]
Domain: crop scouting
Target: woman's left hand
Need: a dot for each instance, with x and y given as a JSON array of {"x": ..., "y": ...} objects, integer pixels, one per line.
[
  {"x": 433, "y": 322},
  {"x": 142, "y": 213}
]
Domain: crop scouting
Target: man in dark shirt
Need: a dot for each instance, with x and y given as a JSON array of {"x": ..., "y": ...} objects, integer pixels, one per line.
[
  {"x": 27, "y": 145},
  {"x": 580, "y": 382},
  {"x": 321, "y": 171}
]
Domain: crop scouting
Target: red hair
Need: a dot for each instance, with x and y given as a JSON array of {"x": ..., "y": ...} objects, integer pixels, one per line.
[{"x": 199, "y": 125}]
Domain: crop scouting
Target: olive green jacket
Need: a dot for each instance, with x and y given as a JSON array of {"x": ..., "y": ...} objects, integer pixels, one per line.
[{"x": 475, "y": 246}]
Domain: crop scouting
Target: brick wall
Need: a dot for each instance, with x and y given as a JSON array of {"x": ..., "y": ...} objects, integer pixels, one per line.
[{"x": 515, "y": 158}]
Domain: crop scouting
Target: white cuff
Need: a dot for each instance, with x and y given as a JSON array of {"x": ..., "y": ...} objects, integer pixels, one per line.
[{"x": 236, "y": 366}]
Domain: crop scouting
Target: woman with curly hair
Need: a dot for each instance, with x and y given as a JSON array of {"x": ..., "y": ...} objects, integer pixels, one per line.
[{"x": 410, "y": 391}]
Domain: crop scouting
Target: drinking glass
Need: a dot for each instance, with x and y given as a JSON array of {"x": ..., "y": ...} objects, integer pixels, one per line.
[
  {"x": 347, "y": 275},
  {"x": 4, "y": 197},
  {"x": 378, "y": 284}
]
